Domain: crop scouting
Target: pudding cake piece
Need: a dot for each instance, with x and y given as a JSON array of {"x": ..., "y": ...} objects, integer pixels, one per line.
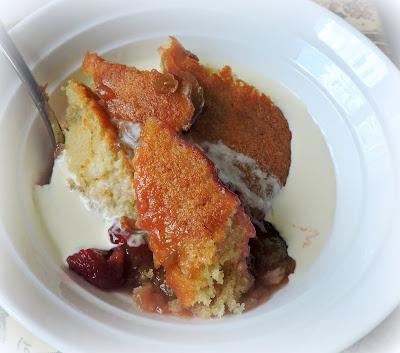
[
  {"x": 135, "y": 95},
  {"x": 198, "y": 232},
  {"x": 239, "y": 127},
  {"x": 95, "y": 156}
]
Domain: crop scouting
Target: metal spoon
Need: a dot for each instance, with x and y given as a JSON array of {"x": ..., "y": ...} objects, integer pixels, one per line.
[{"x": 37, "y": 93}]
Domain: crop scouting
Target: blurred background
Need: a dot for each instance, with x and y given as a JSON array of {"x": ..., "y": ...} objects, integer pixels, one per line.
[{"x": 379, "y": 20}]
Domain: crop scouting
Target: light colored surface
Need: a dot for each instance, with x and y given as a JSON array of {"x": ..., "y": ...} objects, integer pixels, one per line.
[
  {"x": 305, "y": 225},
  {"x": 84, "y": 227},
  {"x": 371, "y": 143},
  {"x": 363, "y": 15}
]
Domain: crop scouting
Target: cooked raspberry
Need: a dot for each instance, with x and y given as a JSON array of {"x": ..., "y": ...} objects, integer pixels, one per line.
[
  {"x": 103, "y": 269},
  {"x": 122, "y": 265}
]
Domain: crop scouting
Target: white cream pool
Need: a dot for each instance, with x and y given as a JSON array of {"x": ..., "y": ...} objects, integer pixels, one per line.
[
  {"x": 303, "y": 211},
  {"x": 70, "y": 223}
]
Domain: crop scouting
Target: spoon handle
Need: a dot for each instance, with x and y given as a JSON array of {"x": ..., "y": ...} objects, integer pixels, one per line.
[{"x": 37, "y": 93}]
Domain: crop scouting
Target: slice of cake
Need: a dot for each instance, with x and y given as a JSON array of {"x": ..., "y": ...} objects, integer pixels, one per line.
[
  {"x": 198, "y": 231},
  {"x": 134, "y": 95},
  {"x": 95, "y": 155},
  {"x": 240, "y": 129},
  {"x": 182, "y": 238}
]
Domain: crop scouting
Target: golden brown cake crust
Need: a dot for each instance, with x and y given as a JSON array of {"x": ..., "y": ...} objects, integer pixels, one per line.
[
  {"x": 183, "y": 206},
  {"x": 131, "y": 94},
  {"x": 235, "y": 113}
]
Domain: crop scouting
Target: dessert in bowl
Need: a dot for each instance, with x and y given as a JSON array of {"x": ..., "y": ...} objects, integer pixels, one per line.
[
  {"x": 184, "y": 167},
  {"x": 172, "y": 160},
  {"x": 305, "y": 230}
]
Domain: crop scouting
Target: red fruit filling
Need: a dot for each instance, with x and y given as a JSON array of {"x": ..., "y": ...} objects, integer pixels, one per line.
[
  {"x": 112, "y": 269},
  {"x": 126, "y": 266},
  {"x": 269, "y": 263},
  {"x": 103, "y": 269}
]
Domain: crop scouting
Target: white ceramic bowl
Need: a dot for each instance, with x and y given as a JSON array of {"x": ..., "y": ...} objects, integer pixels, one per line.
[{"x": 349, "y": 88}]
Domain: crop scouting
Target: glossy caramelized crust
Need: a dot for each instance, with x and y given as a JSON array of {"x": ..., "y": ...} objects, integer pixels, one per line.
[
  {"x": 134, "y": 95},
  {"x": 235, "y": 113},
  {"x": 188, "y": 214}
]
